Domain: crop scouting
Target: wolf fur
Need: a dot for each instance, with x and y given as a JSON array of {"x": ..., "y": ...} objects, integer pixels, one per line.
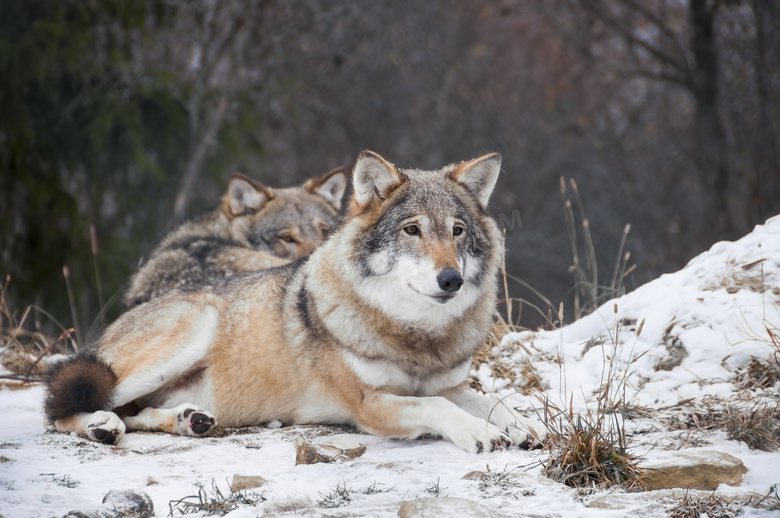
[
  {"x": 255, "y": 227},
  {"x": 376, "y": 328}
]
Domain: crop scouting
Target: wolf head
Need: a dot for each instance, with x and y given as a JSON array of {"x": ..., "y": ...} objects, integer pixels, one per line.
[
  {"x": 427, "y": 251},
  {"x": 288, "y": 223}
]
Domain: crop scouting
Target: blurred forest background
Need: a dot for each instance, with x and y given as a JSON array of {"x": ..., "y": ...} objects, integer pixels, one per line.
[{"x": 120, "y": 117}]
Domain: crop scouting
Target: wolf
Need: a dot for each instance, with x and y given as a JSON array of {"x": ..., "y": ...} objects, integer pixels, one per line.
[
  {"x": 375, "y": 329},
  {"x": 253, "y": 228}
]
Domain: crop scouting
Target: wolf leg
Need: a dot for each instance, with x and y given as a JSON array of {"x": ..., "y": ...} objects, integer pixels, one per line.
[
  {"x": 527, "y": 433},
  {"x": 184, "y": 419},
  {"x": 176, "y": 351},
  {"x": 101, "y": 426},
  {"x": 398, "y": 416}
]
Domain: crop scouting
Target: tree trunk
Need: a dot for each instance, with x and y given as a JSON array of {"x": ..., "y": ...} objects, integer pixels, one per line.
[
  {"x": 766, "y": 191},
  {"x": 709, "y": 137}
]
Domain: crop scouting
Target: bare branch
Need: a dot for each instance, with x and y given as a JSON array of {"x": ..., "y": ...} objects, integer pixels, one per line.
[
  {"x": 195, "y": 162},
  {"x": 608, "y": 18}
]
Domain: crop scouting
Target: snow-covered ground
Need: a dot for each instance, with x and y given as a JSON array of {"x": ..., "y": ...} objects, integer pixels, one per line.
[{"x": 702, "y": 326}]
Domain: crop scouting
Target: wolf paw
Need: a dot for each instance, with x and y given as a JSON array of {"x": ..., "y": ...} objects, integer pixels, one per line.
[
  {"x": 195, "y": 422},
  {"x": 105, "y": 427},
  {"x": 480, "y": 436},
  {"x": 528, "y": 435}
]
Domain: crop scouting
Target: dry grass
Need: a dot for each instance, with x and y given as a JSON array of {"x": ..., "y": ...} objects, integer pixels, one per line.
[
  {"x": 213, "y": 503},
  {"x": 698, "y": 419},
  {"x": 585, "y": 452},
  {"x": 590, "y": 450},
  {"x": 527, "y": 380},
  {"x": 589, "y": 293},
  {"x": 339, "y": 497},
  {"x": 757, "y": 425},
  {"x": 712, "y": 506},
  {"x": 758, "y": 374},
  {"x": 716, "y": 506},
  {"x": 22, "y": 343},
  {"x": 487, "y": 353}
]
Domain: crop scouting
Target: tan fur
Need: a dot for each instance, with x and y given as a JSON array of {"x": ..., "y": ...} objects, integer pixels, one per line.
[{"x": 302, "y": 344}]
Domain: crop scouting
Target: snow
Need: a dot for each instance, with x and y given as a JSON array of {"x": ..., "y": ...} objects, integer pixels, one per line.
[{"x": 716, "y": 308}]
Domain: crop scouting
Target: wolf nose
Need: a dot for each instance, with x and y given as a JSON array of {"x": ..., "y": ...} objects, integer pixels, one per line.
[{"x": 450, "y": 280}]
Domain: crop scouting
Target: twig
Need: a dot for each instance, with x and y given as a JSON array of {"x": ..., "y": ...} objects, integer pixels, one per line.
[{"x": 64, "y": 336}]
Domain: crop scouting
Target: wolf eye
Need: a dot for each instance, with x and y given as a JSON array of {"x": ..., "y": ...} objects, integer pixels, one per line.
[
  {"x": 287, "y": 239},
  {"x": 412, "y": 230},
  {"x": 457, "y": 230}
]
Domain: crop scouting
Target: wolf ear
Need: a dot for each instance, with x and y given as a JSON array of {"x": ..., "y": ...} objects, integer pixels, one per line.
[
  {"x": 373, "y": 175},
  {"x": 244, "y": 196},
  {"x": 330, "y": 186},
  {"x": 479, "y": 176}
]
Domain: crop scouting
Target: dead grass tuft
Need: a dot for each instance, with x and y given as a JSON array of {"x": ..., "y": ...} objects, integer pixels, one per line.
[
  {"x": 758, "y": 374},
  {"x": 585, "y": 452},
  {"x": 339, "y": 497},
  {"x": 487, "y": 353},
  {"x": 214, "y": 502},
  {"x": 590, "y": 450},
  {"x": 22, "y": 343},
  {"x": 757, "y": 425},
  {"x": 712, "y": 506},
  {"x": 527, "y": 380}
]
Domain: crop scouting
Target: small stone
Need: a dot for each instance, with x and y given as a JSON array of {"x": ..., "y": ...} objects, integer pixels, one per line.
[
  {"x": 129, "y": 504},
  {"x": 151, "y": 482},
  {"x": 335, "y": 450},
  {"x": 241, "y": 482},
  {"x": 119, "y": 504},
  {"x": 704, "y": 470},
  {"x": 444, "y": 507},
  {"x": 676, "y": 354},
  {"x": 475, "y": 475}
]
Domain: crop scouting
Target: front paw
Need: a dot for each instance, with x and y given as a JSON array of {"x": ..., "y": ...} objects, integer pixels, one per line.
[
  {"x": 105, "y": 427},
  {"x": 478, "y": 436},
  {"x": 527, "y": 434}
]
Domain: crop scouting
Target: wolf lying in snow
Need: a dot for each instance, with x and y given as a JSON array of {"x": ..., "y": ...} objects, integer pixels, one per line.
[
  {"x": 376, "y": 328},
  {"x": 255, "y": 227}
]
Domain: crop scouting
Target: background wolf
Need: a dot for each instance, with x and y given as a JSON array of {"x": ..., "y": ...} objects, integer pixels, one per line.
[
  {"x": 376, "y": 329},
  {"x": 254, "y": 227}
]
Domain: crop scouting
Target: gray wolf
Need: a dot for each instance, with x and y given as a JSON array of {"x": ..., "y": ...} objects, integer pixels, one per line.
[
  {"x": 254, "y": 227},
  {"x": 376, "y": 328}
]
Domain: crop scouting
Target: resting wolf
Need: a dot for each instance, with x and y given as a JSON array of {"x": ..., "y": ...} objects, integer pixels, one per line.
[
  {"x": 255, "y": 227},
  {"x": 376, "y": 328}
]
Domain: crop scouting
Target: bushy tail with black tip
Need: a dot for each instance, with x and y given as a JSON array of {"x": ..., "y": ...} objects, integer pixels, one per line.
[{"x": 84, "y": 383}]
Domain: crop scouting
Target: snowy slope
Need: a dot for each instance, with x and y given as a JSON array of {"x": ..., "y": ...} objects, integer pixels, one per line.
[{"x": 715, "y": 309}]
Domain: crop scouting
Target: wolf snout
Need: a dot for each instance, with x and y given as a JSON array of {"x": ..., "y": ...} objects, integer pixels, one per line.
[{"x": 450, "y": 280}]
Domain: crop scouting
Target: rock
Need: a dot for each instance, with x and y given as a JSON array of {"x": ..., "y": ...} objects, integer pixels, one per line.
[
  {"x": 704, "y": 470},
  {"x": 241, "y": 482},
  {"x": 129, "y": 504},
  {"x": 119, "y": 504},
  {"x": 475, "y": 475},
  {"x": 676, "y": 354},
  {"x": 333, "y": 450},
  {"x": 444, "y": 507}
]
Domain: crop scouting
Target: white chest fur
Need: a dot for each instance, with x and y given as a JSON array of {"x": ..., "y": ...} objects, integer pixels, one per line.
[{"x": 383, "y": 373}]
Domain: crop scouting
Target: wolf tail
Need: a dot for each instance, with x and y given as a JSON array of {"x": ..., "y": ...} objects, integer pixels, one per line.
[{"x": 84, "y": 383}]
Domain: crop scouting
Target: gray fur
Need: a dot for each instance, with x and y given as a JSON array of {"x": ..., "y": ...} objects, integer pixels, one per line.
[{"x": 254, "y": 228}]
